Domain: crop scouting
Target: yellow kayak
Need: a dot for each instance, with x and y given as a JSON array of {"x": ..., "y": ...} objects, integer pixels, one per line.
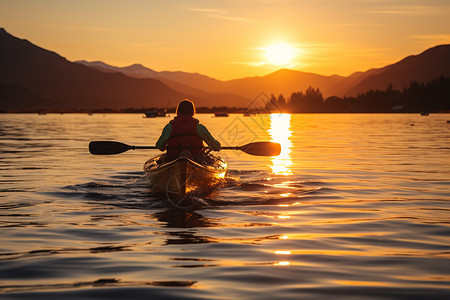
[{"x": 183, "y": 179}]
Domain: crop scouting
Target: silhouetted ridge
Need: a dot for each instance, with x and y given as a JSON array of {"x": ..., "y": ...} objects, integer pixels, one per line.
[
  {"x": 65, "y": 84},
  {"x": 19, "y": 98},
  {"x": 429, "y": 65},
  {"x": 195, "y": 84},
  {"x": 70, "y": 85}
]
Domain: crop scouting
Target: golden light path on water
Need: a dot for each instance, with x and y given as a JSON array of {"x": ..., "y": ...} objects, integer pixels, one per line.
[{"x": 280, "y": 132}]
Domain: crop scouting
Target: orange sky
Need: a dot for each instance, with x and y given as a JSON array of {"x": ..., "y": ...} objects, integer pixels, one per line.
[{"x": 227, "y": 39}]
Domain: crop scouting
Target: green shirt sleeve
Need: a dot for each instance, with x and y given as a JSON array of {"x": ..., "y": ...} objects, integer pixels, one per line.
[
  {"x": 161, "y": 143},
  {"x": 207, "y": 137}
]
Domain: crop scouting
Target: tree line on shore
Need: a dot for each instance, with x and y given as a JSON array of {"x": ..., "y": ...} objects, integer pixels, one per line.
[{"x": 433, "y": 96}]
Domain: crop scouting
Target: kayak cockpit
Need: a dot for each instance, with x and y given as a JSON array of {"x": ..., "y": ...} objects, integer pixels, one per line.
[{"x": 182, "y": 180}]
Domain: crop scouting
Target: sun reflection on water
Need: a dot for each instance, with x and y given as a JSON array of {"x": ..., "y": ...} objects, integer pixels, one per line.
[
  {"x": 283, "y": 252},
  {"x": 282, "y": 263},
  {"x": 280, "y": 132}
]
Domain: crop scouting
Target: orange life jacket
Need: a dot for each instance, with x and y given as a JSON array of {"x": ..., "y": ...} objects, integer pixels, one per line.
[{"x": 184, "y": 136}]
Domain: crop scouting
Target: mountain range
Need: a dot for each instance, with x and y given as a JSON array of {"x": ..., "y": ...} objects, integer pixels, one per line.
[{"x": 32, "y": 77}]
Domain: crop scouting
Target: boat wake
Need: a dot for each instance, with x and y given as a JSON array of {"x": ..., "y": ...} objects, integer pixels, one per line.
[
  {"x": 239, "y": 188},
  {"x": 259, "y": 188}
]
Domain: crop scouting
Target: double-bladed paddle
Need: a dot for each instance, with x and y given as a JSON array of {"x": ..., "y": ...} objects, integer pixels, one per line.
[{"x": 256, "y": 148}]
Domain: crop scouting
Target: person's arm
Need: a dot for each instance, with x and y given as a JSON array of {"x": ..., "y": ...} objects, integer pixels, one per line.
[
  {"x": 161, "y": 143},
  {"x": 207, "y": 137}
]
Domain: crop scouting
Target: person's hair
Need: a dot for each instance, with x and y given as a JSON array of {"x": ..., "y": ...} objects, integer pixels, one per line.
[{"x": 186, "y": 107}]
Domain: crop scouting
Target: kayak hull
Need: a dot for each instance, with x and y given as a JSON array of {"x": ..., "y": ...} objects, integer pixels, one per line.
[{"x": 184, "y": 177}]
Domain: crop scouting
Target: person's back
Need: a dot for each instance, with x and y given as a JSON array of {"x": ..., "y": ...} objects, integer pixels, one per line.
[{"x": 184, "y": 135}]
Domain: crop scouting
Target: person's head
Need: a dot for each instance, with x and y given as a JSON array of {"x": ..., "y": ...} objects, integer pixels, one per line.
[{"x": 186, "y": 107}]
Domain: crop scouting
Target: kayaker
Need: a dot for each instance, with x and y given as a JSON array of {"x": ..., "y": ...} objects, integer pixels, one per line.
[{"x": 184, "y": 135}]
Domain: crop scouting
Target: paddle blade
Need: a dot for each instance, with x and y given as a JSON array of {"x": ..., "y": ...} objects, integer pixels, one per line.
[
  {"x": 108, "y": 147},
  {"x": 262, "y": 149}
]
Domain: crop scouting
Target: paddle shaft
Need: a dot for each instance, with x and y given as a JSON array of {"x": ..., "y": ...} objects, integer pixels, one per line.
[
  {"x": 256, "y": 148},
  {"x": 143, "y": 147}
]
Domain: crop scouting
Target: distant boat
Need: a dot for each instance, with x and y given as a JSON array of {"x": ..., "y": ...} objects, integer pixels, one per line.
[
  {"x": 221, "y": 114},
  {"x": 151, "y": 114},
  {"x": 42, "y": 113},
  {"x": 424, "y": 114},
  {"x": 154, "y": 114}
]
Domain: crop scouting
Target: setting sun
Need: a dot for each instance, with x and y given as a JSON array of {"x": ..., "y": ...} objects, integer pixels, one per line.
[{"x": 280, "y": 54}]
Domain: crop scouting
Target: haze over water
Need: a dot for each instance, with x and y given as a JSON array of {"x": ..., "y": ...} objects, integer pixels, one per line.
[{"x": 355, "y": 207}]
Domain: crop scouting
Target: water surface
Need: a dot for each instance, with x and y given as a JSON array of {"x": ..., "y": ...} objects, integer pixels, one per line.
[{"x": 355, "y": 207}]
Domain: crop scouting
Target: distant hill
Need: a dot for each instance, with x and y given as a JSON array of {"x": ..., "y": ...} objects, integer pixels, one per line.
[
  {"x": 281, "y": 82},
  {"x": 422, "y": 68},
  {"x": 54, "y": 82},
  {"x": 197, "y": 85},
  {"x": 429, "y": 65},
  {"x": 16, "y": 98},
  {"x": 342, "y": 87},
  {"x": 193, "y": 80},
  {"x": 70, "y": 85},
  {"x": 425, "y": 67}
]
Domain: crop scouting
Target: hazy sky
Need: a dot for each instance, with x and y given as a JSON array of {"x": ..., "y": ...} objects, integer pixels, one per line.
[{"x": 228, "y": 39}]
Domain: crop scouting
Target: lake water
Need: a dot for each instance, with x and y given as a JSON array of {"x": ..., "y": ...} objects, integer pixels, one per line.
[{"x": 357, "y": 206}]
